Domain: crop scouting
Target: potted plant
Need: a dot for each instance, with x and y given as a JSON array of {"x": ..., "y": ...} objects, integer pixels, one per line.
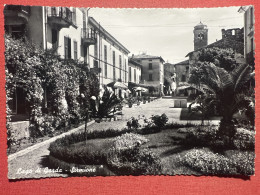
[
  {"x": 130, "y": 103},
  {"x": 144, "y": 100},
  {"x": 149, "y": 99}
]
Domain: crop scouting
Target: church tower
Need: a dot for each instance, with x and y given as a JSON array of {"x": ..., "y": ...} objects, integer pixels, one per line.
[{"x": 200, "y": 36}]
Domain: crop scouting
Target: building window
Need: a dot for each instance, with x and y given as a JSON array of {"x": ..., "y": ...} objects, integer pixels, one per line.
[
  {"x": 114, "y": 64},
  {"x": 105, "y": 70},
  {"x": 251, "y": 17},
  {"x": 95, "y": 50},
  {"x": 183, "y": 78},
  {"x": 114, "y": 72},
  {"x": 74, "y": 16},
  {"x": 84, "y": 21},
  {"x": 125, "y": 72},
  {"x": 105, "y": 59},
  {"x": 95, "y": 62},
  {"x": 120, "y": 67},
  {"x": 252, "y": 45},
  {"x": 105, "y": 53},
  {"x": 150, "y": 77},
  {"x": 75, "y": 50},
  {"x": 67, "y": 48},
  {"x": 150, "y": 66},
  {"x": 130, "y": 74},
  {"x": 135, "y": 75},
  {"x": 54, "y": 38},
  {"x": 114, "y": 58}
]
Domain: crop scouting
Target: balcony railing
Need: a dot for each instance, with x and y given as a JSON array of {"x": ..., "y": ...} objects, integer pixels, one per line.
[
  {"x": 16, "y": 14},
  {"x": 88, "y": 36},
  {"x": 61, "y": 17}
]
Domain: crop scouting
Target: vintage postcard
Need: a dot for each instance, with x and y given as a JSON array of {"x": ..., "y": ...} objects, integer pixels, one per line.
[{"x": 112, "y": 92}]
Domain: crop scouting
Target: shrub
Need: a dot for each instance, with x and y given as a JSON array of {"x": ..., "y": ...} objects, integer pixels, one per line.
[
  {"x": 244, "y": 139},
  {"x": 201, "y": 136},
  {"x": 244, "y": 161},
  {"x": 235, "y": 163},
  {"x": 160, "y": 121},
  {"x": 134, "y": 161},
  {"x": 133, "y": 123},
  {"x": 208, "y": 162},
  {"x": 129, "y": 140}
]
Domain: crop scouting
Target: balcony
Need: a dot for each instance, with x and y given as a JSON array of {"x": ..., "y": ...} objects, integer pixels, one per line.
[
  {"x": 61, "y": 17},
  {"x": 88, "y": 36},
  {"x": 16, "y": 14}
]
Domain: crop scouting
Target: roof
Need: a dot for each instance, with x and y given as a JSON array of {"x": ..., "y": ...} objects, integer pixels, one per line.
[
  {"x": 207, "y": 46},
  {"x": 185, "y": 62},
  {"x": 98, "y": 27},
  {"x": 145, "y": 56},
  {"x": 200, "y": 26},
  {"x": 132, "y": 61}
]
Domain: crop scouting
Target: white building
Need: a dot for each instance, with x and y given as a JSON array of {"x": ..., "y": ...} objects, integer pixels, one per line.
[{"x": 109, "y": 58}]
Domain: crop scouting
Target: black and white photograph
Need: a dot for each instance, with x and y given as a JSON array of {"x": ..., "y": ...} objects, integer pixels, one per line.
[{"x": 127, "y": 91}]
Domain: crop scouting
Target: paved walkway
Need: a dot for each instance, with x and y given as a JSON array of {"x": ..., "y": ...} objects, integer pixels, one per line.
[{"x": 25, "y": 166}]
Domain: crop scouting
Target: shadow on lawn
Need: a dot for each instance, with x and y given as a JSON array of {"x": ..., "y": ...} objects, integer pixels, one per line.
[
  {"x": 176, "y": 150},
  {"x": 186, "y": 115}
]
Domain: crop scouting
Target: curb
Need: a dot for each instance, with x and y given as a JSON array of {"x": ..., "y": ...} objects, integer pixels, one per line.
[{"x": 38, "y": 145}]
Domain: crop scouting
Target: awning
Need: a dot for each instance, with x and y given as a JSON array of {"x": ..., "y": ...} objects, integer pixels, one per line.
[
  {"x": 142, "y": 89},
  {"x": 183, "y": 87},
  {"x": 186, "y": 87},
  {"x": 117, "y": 85}
]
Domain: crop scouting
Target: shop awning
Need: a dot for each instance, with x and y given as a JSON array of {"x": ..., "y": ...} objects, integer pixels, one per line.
[
  {"x": 142, "y": 89},
  {"x": 117, "y": 85}
]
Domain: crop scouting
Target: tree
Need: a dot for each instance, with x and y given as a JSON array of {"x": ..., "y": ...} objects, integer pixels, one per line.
[
  {"x": 223, "y": 58},
  {"x": 205, "y": 104},
  {"x": 227, "y": 88}
]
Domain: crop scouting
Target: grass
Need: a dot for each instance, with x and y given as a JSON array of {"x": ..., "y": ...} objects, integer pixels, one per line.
[
  {"x": 175, "y": 152},
  {"x": 165, "y": 147}
]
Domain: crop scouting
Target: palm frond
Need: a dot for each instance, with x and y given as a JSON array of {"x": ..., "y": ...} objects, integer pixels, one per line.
[{"x": 242, "y": 78}]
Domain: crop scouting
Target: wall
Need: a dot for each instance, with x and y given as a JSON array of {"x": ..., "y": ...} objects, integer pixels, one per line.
[
  {"x": 100, "y": 57},
  {"x": 157, "y": 72},
  {"x": 73, "y": 32},
  {"x": 138, "y": 73},
  {"x": 36, "y": 26},
  {"x": 182, "y": 70}
]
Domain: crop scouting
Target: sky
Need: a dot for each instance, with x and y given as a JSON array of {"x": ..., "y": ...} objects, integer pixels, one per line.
[{"x": 165, "y": 32}]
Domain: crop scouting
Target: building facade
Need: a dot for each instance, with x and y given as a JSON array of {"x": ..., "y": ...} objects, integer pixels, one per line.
[
  {"x": 249, "y": 31},
  {"x": 110, "y": 58},
  {"x": 60, "y": 29},
  {"x": 152, "y": 72},
  {"x": 169, "y": 78},
  {"x": 182, "y": 77},
  {"x": 134, "y": 71}
]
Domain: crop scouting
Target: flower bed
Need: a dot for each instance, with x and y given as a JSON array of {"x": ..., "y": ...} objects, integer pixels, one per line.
[
  {"x": 210, "y": 163},
  {"x": 121, "y": 154}
]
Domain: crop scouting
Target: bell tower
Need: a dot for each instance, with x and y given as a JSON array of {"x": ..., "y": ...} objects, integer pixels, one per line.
[{"x": 200, "y": 36}]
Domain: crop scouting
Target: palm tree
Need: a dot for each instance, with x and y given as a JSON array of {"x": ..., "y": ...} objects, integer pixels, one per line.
[{"x": 227, "y": 88}]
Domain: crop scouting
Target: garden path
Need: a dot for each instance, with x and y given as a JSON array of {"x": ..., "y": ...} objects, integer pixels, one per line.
[{"x": 33, "y": 160}]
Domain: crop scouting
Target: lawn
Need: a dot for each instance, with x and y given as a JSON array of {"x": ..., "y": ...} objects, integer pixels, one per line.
[{"x": 174, "y": 150}]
